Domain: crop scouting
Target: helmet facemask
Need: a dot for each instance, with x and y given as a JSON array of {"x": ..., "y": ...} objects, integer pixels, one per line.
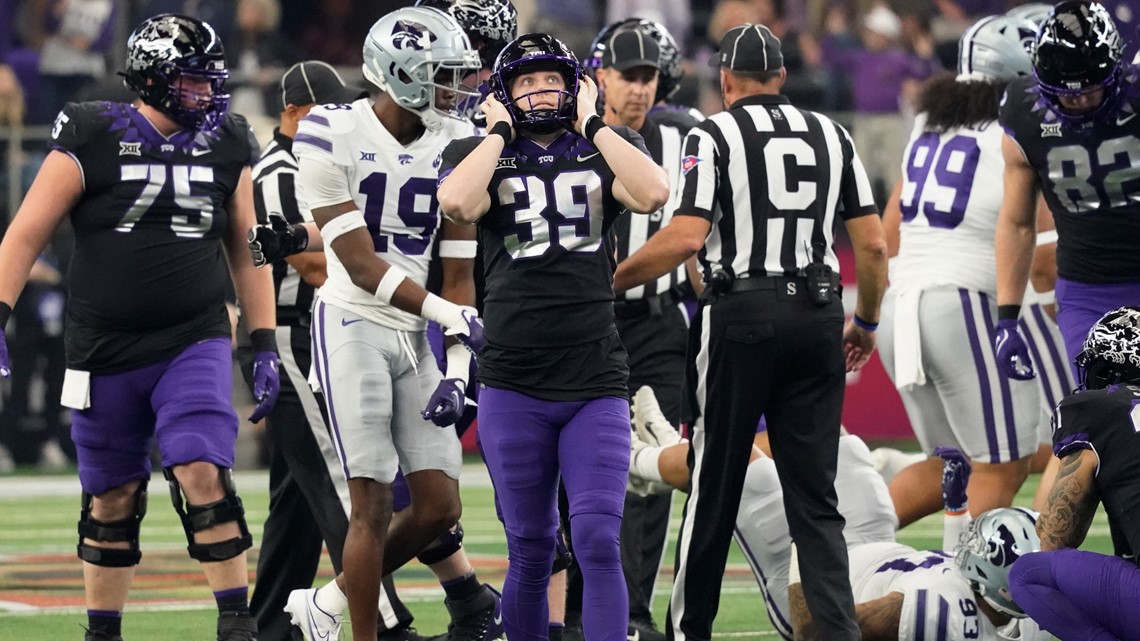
[{"x": 535, "y": 53}]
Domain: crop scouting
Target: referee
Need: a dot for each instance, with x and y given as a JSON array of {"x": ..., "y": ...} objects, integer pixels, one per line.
[
  {"x": 308, "y": 497},
  {"x": 650, "y": 318},
  {"x": 765, "y": 182}
]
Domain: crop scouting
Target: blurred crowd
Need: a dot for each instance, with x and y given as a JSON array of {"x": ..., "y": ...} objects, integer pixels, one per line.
[{"x": 859, "y": 60}]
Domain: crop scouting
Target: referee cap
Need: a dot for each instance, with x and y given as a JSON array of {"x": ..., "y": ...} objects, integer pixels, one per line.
[
  {"x": 749, "y": 47},
  {"x": 631, "y": 48},
  {"x": 316, "y": 82}
]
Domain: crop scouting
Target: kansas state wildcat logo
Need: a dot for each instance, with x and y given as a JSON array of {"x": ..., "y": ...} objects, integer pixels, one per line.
[{"x": 409, "y": 35}]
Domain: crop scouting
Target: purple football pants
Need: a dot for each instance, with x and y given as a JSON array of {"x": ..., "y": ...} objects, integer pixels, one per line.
[
  {"x": 1079, "y": 596},
  {"x": 183, "y": 402},
  {"x": 1080, "y": 306},
  {"x": 527, "y": 443}
]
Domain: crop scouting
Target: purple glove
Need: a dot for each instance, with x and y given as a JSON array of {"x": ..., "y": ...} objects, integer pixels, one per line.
[
  {"x": 266, "y": 383},
  {"x": 472, "y": 335},
  {"x": 445, "y": 407},
  {"x": 1012, "y": 354},
  {"x": 955, "y": 477},
  {"x": 5, "y": 364}
]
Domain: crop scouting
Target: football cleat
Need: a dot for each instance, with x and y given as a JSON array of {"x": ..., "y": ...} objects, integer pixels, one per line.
[
  {"x": 636, "y": 484},
  {"x": 315, "y": 623},
  {"x": 101, "y": 636},
  {"x": 643, "y": 630},
  {"x": 649, "y": 422},
  {"x": 237, "y": 628},
  {"x": 479, "y": 617},
  {"x": 406, "y": 634}
]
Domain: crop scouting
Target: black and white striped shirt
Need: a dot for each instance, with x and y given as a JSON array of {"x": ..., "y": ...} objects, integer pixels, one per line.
[
  {"x": 274, "y": 191},
  {"x": 663, "y": 132},
  {"x": 771, "y": 179}
]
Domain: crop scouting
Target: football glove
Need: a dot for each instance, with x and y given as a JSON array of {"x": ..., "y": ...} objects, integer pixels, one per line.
[
  {"x": 445, "y": 407},
  {"x": 1012, "y": 353},
  {"x": 276, "y": 240}
]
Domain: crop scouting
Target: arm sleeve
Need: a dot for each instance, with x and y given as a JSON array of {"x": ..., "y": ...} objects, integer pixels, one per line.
[
  {"x": 855, "y": 189},
  {"x": 698, "y": 180},
  {"x": 453, "y": 154}
]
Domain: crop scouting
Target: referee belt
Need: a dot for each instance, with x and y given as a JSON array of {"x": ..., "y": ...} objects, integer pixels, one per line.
[
  {"x": 650, "y": 305},
  {"x": 777, "y": 284}
]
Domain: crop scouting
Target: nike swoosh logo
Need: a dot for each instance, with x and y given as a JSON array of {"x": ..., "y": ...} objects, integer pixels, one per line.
[
  {"x": 636, "y": 636},
  {"x": 1121, "y": 121},
  {"x": 344, "y": 322},
  {"x": 499, "y": 616},
  {"x": 582, "y": 158},
  {"x": 199, "y": 152}
]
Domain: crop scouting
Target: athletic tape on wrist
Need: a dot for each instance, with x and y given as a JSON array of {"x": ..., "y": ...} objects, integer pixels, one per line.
[
  {"x": 341, "y": 225},
  {"x": 457, "y": 248},
  {"x": 1046, "y": 237},
  {"x": 388, "y": 284}
]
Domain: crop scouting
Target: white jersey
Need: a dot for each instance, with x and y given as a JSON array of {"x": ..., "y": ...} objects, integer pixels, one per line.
[
  {"x": 952, "y": 190},
  {"x": 938, "y": 604},
  {"x": 762, "y": 525},
  {"x": 393, "y": 185}
]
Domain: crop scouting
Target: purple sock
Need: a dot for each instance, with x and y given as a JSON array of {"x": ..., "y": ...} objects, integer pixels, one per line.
[
  {"x": 109, "y": 622},
  {"x": 1079, "y": 596},
  {"x": 233, "y": 601}
]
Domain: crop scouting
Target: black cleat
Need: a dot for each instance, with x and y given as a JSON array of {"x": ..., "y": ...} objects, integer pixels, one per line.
[
  {"x": 476, "y": 618},
  {"x": 644, "y": 630},
  {"x": 101, "y": 636},
  {"x": 237, "y": 628},
  {"x": 405, "y": 634}
]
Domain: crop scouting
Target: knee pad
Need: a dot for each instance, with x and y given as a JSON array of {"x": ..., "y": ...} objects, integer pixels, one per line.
[
  {"x": 562, "y": 557},
  {"x": 124, "y": 530},
  {"x": 443, "y": 546},
  {"x": 197, "y": 518}
]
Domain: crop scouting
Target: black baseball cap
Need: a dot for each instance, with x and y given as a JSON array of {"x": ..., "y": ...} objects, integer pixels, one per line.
[
  {"x": 631, "y": 48},
  {"x": 749, "y": 47},
  {"x": 316, "y": 82}
]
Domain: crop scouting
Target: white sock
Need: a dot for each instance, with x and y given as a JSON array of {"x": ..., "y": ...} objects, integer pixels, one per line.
[
  {"x": 953, "y": 525},
  {"x": 645, "y": 464},
  {"x": 330, "y": 599}
]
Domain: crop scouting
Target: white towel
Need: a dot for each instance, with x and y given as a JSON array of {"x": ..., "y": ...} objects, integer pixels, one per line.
[{"x": 908, "y": 340}]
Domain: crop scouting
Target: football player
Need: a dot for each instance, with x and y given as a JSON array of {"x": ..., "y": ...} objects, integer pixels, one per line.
[
  {"x": 545, "y": 186},
  {"x": 1070, "y": 132},
  {"x": 1071, "y": 593},
  {"x": 941, "y": 220},
  {"x": 659, "y": 455},
  {"x": 367, "y": 170},
  {"x": 902, "y": 594},
  {"x": 160, "y": 197}
]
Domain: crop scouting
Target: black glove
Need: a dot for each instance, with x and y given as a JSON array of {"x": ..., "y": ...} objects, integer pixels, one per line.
[{"x": 275, "y": 241}]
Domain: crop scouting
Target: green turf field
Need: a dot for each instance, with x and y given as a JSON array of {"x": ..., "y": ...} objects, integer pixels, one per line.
[{"x": 41, "y": 590}]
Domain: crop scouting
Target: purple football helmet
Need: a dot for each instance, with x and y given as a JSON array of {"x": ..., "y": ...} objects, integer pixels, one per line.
[
  {"x": 537, "y": 52},
  {"x": 1078, "y": 49}
]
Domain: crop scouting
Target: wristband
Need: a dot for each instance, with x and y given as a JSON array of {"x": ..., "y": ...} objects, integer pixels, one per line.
[
  {"x": 388, "y": 284},
  {"x": 1046, "y": 237},
  {"x": 263, "y": 340},
  {"x": 501, "y": 128},
  {"x": 444, "y": 312},
  {"x": 458, "y": 248},
  {"x": 1008, "y": 312},
  {"x": 1047, "y": 298},
  {"x": 592, "y": 126},
  {"x": 458, "y": 363},
  {"x": 341, "y": 225},
  {"x": 862, "y": 324}
]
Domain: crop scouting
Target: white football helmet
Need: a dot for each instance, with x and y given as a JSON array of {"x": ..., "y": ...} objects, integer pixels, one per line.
[
  {"x": 988, "y": 549},
  {"x": 1035, "y": 12},
  {"x": 412, "y": 52},
  {"x": 996, "y": 48}
]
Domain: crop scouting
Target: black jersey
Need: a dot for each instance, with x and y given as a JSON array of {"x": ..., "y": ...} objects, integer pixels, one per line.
[
  {"x": 1090, "y": 178},
  {"x": 549, "y": 263},
  {"x": 1107, "y": 422},
  {"x": 149, "y": 274}
]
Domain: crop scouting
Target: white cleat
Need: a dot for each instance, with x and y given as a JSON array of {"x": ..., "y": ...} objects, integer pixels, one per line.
[
  {"x": 636, "y": 484},
  {"x": 650, "y": 423},
  {"x": 889, "y": 461},
  {"x": 315, "y": 623}
]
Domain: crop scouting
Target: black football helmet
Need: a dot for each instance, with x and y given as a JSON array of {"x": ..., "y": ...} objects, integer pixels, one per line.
[
  {"x": 490, "y": 24},
  {"x": 1078, "y": 48},
  {"x": 167, "y": 48},
  {"x": 537, "y": 52},
  {"x": 669, "y": 77},
  {"x": 1111, "y": 352}
]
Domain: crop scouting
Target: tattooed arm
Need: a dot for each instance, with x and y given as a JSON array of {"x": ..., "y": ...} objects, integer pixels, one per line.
[
  {"x": 878, "y": 619},
  {"x": 1071, "y": 504}
]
